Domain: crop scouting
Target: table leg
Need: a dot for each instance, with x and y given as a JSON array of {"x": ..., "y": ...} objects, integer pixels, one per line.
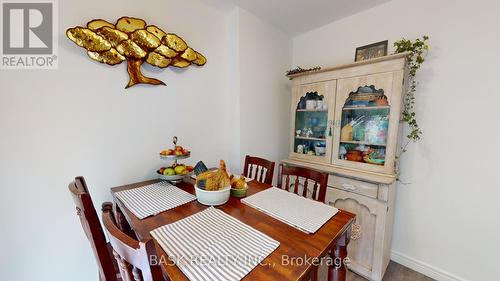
[
  {"x": 337, "y": 270},
  {"x": 315, "y": 275}
]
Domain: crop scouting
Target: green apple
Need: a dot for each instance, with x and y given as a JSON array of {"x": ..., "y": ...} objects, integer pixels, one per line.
[{"x": 169, "y": 172}]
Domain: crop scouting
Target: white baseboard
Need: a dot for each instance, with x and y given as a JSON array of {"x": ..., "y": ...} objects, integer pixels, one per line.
[{"x": 424, "y": 268}]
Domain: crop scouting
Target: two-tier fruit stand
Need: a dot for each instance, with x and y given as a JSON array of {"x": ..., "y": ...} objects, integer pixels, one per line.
[{"x": 174, "y": 179}]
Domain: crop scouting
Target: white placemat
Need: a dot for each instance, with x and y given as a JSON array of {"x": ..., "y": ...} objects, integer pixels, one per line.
[
  {"x": 212, "y": 245},
  {"x": 153, "y": 199},
  {"x": 300, "y": 212}
]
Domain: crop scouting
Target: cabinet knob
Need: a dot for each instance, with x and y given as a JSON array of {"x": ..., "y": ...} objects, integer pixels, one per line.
[{"x": 336, "y": 123}]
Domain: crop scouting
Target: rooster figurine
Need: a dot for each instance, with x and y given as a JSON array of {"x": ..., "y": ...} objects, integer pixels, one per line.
[{"x": 214, "y": 180}]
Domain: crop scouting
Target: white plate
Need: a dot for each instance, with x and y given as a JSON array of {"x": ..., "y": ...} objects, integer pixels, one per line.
[
  {"x": 172, "y": 177},
  {"x": 174, "y": 157}
]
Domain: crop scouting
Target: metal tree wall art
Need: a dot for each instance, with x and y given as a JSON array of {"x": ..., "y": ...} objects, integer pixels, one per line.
[{"x": 132, "y": 40}]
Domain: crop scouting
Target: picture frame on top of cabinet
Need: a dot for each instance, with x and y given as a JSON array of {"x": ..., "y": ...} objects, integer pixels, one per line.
[{"x": 371, "y": 51}]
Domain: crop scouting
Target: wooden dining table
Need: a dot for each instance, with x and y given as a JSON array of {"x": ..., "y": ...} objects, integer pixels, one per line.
[{"x": 296, "y": 258}]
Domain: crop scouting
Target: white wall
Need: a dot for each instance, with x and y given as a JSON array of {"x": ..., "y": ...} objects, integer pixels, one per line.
[
  {"x": 79, "y": 120},
  {"x": 264, "y": 89},
  {"x": 446, "y": 222}
]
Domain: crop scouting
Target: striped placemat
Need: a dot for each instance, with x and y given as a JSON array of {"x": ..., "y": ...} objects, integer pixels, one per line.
[
  {"x": 212, "y": 245},
  {"x": 302, "y": 213},
  {"x": 153, "y": 199}
]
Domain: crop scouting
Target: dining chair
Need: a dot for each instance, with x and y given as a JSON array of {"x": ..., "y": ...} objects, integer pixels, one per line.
[
  {"x": 319, "y": 184},
  {"x": 264, "y": 169},
  {"x": 108, "y": 270},
  {"x": 132, "y": 255},
  {"x": 317, "y": 179}
]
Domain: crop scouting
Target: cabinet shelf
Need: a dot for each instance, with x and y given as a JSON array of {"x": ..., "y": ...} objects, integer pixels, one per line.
[
  {"x": 312, "y": 110},
  {"x": 364, "y": 143},
  {"x": 366, "y": 107},
  {"x": 309, "y": 138}
]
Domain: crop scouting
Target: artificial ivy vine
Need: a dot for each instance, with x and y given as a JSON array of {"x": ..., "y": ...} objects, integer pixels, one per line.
[{"x": 417, "y": 50}]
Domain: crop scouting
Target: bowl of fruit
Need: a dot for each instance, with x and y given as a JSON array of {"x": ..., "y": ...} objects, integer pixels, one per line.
[
  {"x": 213, "y": 187},
  {"x": 239, "y": 186},
  {"x": 174, "y": 173},
  {"x": 178, "y": 152}
]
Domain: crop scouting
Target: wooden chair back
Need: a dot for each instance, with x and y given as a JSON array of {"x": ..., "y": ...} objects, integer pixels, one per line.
[
  {"x": 92, "y": 227},
  {"x": 259, "y": 169},
  {"x": 132, "y": 256},
  {"x": 309, "y": 177}
]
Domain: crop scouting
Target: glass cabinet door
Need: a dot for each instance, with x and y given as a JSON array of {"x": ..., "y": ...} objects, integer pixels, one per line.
[
  {"x": 364, "y": 126},
  {"x": 363, "y": 117},
  {"x": 312, "y": 115}
]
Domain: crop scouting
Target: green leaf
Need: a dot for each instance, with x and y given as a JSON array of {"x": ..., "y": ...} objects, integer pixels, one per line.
[{"x": 415, "y": 58}]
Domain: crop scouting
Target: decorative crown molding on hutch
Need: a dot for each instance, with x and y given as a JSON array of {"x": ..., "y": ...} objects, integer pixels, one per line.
[{"x": 345, "y": 120}]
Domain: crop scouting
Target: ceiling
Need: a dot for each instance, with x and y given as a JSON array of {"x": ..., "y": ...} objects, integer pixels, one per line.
[{"x": 298, "y": 16}]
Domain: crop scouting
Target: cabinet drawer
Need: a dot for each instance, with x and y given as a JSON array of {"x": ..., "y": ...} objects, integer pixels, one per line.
[{"x": 355, "y": 186}]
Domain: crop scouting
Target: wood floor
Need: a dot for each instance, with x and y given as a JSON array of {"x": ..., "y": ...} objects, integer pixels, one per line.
[{"x": 395, "y": 272}]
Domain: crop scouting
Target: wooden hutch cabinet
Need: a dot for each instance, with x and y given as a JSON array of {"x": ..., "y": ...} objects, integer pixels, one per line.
[{"x": 346, "y": 120}]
